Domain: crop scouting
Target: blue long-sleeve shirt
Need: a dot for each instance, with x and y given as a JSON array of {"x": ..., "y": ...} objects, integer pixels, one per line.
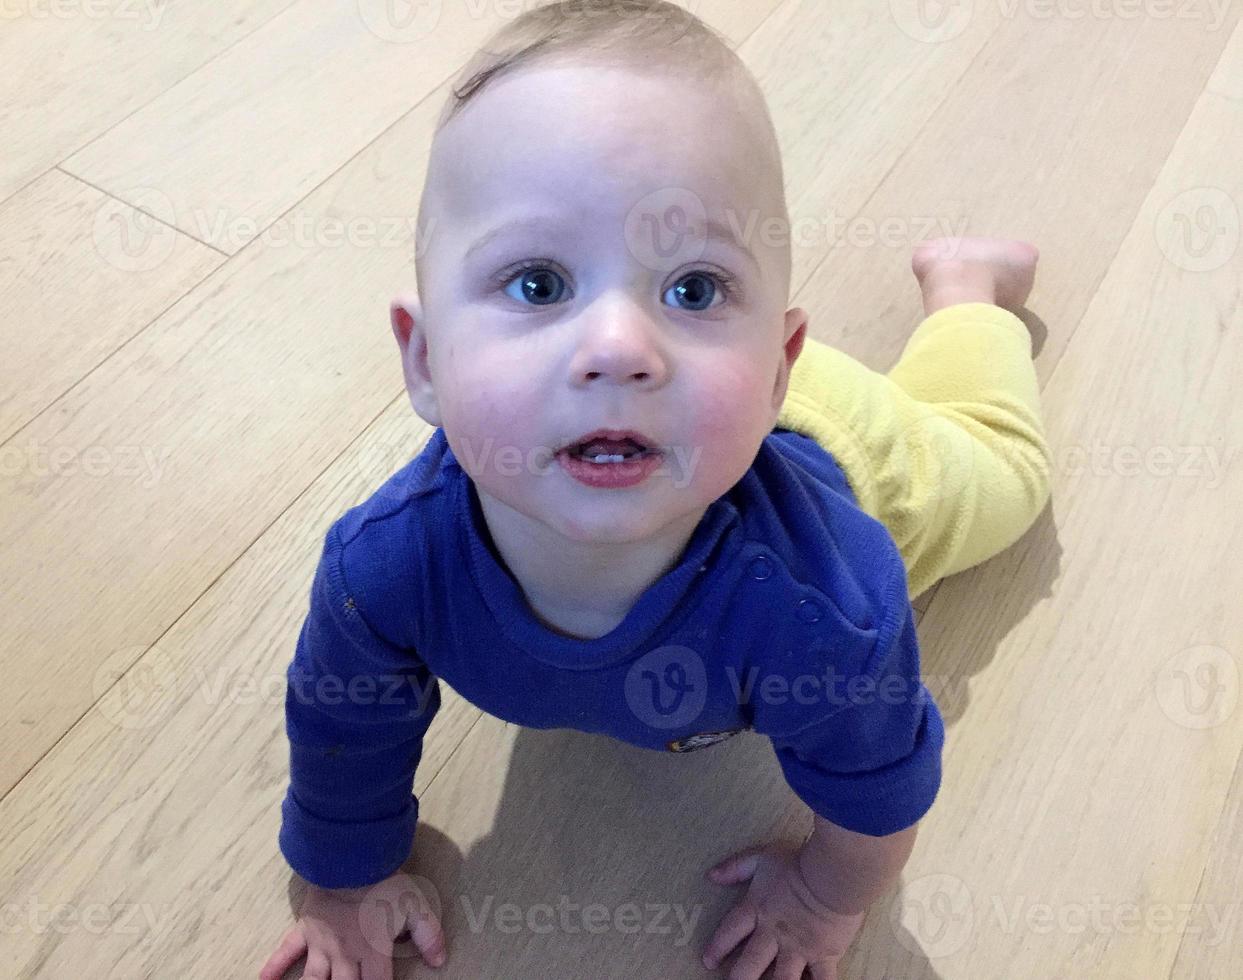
[{"x": 787, "y": 614}]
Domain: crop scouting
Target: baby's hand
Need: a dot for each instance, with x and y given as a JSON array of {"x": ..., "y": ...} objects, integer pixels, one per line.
[
  {"x": 782, "y": 917},
  {"x": 348, "y": 934}
]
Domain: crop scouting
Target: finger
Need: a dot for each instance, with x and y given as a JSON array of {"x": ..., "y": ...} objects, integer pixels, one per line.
[
  {"x": 316, "y": 965},
  {"x": 428, "y": 936},
  {"x": 824, "y": 969},
  {"x": 789, "y": 966},
  {"x": 737, "y": 868},
  {"x": 291, "y": 948},
  {"x": 756, "y": 956},
  {"x": 734, "y": 928}
]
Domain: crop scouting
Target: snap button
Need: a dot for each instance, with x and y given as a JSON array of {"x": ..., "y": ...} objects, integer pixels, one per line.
[
  {"x": 808, "y": 610},
  {"x": 761, "y": 567}
]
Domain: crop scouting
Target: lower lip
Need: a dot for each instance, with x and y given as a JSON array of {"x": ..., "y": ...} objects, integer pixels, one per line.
[{"x": 610, "y": 475}]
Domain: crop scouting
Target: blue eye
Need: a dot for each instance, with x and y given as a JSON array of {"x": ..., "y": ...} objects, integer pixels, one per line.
[
  {"x": 538, "y": 285},
  {"x": 541, "y": 286},
  {"x": 697, "y": 288}
]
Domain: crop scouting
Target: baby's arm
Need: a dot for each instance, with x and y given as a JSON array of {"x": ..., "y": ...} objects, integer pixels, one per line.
[
  {"x": 947, "y": 449},
  {"x": 356, "y": 710},
  {"x": 847, "y": 871}
]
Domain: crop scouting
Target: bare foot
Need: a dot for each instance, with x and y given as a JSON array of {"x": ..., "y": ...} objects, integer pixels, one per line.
[{"x": 974, "y": 270}]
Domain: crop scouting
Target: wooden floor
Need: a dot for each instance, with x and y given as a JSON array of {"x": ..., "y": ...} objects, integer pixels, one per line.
[{"x": 204, "y": 209}]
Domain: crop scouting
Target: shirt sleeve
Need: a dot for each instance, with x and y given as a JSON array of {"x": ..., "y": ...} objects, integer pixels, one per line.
[
  {"x": 869, "y": 758},
  {"x": 947, "y": 449},
  {"x": 356, "y": 710}
]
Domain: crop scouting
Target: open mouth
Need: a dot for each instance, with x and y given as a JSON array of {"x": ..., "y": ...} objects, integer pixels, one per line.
[{"x": 611, "y": 447}]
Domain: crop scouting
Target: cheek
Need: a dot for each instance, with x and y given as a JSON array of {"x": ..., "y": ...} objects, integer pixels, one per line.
[
  {"x": 728, "y": 401},
  {"x": 725, "y": 423},
  {"x": 489, "y": 410}
]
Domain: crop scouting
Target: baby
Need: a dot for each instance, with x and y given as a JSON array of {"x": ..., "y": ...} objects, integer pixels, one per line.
[{"x": 651, "y": 505}]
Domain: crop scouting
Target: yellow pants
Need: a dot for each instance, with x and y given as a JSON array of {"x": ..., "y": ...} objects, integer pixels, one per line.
[{"x": 947, "y": 449}]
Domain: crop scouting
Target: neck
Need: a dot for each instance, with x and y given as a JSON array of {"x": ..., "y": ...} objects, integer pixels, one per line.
[{"x": 582, "y": 589}]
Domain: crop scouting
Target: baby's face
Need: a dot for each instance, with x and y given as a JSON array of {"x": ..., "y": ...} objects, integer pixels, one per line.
[{"x": 569, "y": 287}]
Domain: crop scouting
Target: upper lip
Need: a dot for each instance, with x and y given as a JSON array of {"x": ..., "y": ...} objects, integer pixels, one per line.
[{"x": 647, "y": 442}]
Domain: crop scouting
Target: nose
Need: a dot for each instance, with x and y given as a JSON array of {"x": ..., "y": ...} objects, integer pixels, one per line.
[{"x": 618, "y": 341}]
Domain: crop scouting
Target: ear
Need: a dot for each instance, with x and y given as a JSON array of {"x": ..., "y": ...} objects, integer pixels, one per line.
[
  {"x": 791, "y": 346},
  {"x": 405, "y": 312}
]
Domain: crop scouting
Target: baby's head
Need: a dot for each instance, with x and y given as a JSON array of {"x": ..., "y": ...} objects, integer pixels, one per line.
[{"x": 592, "y": 255}]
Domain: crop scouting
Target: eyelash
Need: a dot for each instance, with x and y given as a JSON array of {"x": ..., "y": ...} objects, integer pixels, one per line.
[{"x": 727, "y": 282}]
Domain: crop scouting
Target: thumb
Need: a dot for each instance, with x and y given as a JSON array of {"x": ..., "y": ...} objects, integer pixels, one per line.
[
  {"x": 428, "y": 936},
  {"x": 737, "y": 867}
]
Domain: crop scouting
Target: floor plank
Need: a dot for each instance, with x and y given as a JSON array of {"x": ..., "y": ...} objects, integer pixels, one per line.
[
  {"x": 150, "y": 626},
  {"x": 158, "y": 803},
  {"x": 1004, "y": 156},
  {"x": 1212, "y": 924},
  {"x": 85, "y": 67},
  {"x": 80, "y": 274},
  {"x": 1088, "y": 758},
  {"x": 1018, "y": 165},
  {"x": 227, "y": 150}
]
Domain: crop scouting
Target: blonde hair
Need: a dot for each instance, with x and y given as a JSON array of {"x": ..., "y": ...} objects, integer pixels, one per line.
[
  {"x": 645, "y": 35},
  {"x": 640, "y": 34}
]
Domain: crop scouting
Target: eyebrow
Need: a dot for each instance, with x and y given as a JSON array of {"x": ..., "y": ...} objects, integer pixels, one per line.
[{"x": 718, "y": 230}]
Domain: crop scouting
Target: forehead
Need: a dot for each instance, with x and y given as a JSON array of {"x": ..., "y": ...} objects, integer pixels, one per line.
[{"x": 594, "y": 141}]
